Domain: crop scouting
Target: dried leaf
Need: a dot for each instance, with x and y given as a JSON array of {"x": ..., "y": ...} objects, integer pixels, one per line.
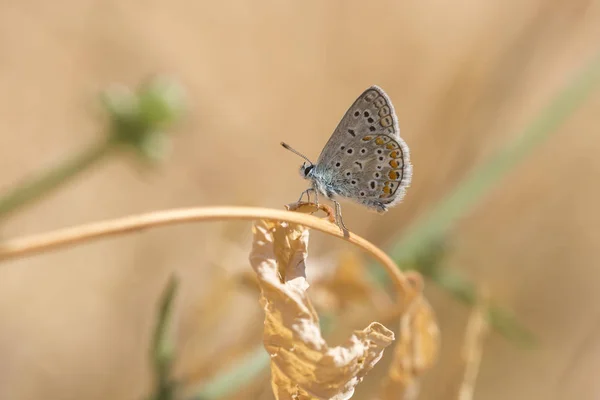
[
  {"x": 303, "y": 366},
  {"x": 349, "y": 284},
  {"x": 415, "y": 352}
]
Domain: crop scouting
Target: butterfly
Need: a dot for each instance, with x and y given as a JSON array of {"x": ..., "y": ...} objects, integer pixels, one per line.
[{"x": 365, "y": 160}]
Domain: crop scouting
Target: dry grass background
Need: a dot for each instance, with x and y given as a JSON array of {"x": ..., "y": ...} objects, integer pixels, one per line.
[{"x": 464, "y": 77}]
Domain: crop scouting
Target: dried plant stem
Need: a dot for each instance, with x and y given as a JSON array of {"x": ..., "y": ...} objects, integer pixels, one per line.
[
  {"x": 477, "y": 329},
  {"x": 20, "y": 247}
]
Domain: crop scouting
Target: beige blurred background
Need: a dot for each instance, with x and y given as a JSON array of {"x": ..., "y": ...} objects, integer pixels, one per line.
[{"x": 465, "y": 78}]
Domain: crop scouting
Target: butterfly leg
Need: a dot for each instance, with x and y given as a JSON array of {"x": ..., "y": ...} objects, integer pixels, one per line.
[
  {"x": 307, "y": 192},
  {"x": 380, "y": 208},
  {"x": 338, "y": 216}
]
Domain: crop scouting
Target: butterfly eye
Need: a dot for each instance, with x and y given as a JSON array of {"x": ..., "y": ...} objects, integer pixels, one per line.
[{"x": 307, "y": 169}]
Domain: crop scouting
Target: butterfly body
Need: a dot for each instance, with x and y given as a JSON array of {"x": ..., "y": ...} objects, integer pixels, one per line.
[{"x": 365, "y": 159}]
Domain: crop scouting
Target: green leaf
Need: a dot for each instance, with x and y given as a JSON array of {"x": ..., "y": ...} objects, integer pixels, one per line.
[{"x": 162, "y": 351}]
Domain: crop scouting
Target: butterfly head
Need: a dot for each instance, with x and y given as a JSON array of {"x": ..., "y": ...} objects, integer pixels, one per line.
[{"x": 306, "y": 170}]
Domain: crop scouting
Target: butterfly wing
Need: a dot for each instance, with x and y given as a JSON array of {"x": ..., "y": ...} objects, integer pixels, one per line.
[{"x": 365, "y": 159}]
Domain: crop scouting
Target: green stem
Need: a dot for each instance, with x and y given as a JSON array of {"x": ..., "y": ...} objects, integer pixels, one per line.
[
  {"x": 35, "y": 188},
  {"x": 162, "y": 347},
  {"x": 478, "y": 184},
  {"x": 501, "y": 320},
  {"x": 230, "y": 381}
]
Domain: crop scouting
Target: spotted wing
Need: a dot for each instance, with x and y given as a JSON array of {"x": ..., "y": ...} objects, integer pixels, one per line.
[
  {"x": 372, "y": 113},
  {"x": 365, "y": 158}
]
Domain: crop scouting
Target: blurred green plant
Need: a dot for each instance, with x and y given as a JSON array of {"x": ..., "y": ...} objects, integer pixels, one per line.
[
  {"x": 242, "y": 373},
  {"x": 471, "y": 190},
  {"x": 137, "y": 120},
  {"x": 429, "y": 261},
  {"x": 162, "y": 349}
]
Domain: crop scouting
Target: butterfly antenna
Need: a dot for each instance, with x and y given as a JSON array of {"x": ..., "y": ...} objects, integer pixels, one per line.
[{"x": 287, "y": 146}]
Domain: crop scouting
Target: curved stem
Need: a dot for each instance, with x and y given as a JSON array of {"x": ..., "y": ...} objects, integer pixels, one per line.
[{"x": 20, "y": 247}]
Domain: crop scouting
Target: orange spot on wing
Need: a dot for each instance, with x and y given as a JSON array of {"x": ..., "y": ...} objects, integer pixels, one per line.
[
  {"x": 394, "y": 164},
  {"x": 367, "y": 138},
  {"x": 395, "y": 154},
  {"x": 380, "y": 141},
  {"x": 394, "y": 175}
]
